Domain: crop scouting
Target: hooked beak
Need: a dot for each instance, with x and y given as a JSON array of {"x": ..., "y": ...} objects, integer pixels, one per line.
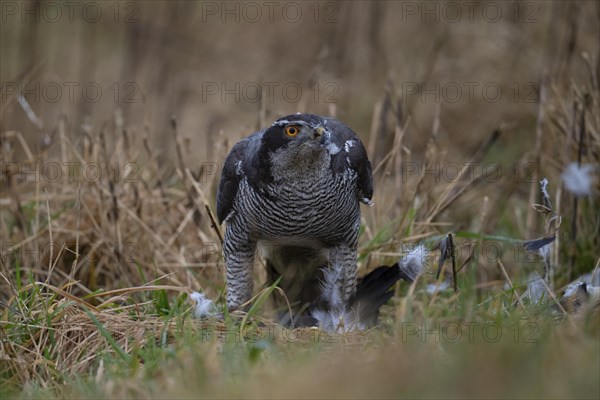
[{"x": 317, "y": 133}]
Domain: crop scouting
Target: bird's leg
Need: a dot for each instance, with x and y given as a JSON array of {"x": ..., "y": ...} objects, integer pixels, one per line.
[
  {"x": 343, "y": 259},
  {"x": 239, "y": 252}
]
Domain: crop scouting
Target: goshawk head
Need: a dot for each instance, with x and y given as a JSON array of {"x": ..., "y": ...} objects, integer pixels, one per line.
[{"x": 298, "y": 145}]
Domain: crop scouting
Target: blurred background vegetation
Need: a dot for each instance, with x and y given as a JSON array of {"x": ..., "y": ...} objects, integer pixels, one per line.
[{"x": 155, "y": 59}]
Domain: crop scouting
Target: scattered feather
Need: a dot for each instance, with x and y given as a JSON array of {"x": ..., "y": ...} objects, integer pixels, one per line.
[
  {"x": 535, "y": 288},
  {"x": 204, "y": 307},
  {"x": 413, "y": 264},
  {"x": 545, "y": 195},
  {"x": 537, "y": 244},
  {"x": 337, "y": 321},
  {"x": 372, "y": 292},
  {"x": 573, "y": 288},
  {"x": 584, "y": 282},
  {"x": 434, "y": 287},
  {"x": 330, "y": 288},
  {"x": 583, "y": 290},
  {"x": 334, "y": 318},
  {"x": 545, "y": 251},
  {"x": 594, "y": 292},
  {"x": 578, "y": 179}
]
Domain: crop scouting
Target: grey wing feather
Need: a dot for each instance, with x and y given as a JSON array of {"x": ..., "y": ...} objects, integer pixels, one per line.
[
  {"x": 231, "y": 175},
  {"x": 361, "y": 164},
  {"x": 352, "y": 154},
  {"x": 238, "y": 164}
]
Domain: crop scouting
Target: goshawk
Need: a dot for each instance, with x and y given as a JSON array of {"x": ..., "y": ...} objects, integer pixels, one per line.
[{"x": 293, "y": 190}]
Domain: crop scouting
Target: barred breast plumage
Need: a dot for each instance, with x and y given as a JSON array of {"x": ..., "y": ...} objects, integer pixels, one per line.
[{"x": 317, "y": 210}]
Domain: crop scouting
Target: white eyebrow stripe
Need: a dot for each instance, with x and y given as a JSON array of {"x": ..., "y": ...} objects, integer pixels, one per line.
[{"x": 282, "y": 122}]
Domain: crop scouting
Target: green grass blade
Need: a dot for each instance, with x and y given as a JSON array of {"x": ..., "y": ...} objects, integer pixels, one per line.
[{"x": 106, "y": 334}]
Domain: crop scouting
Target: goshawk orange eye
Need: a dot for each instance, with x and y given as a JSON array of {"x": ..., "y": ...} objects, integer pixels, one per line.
[{"x": 291, "y": 130}]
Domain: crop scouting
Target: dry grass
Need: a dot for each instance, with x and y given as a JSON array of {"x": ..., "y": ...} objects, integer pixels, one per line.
[{"x": 88, "y": 300}]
